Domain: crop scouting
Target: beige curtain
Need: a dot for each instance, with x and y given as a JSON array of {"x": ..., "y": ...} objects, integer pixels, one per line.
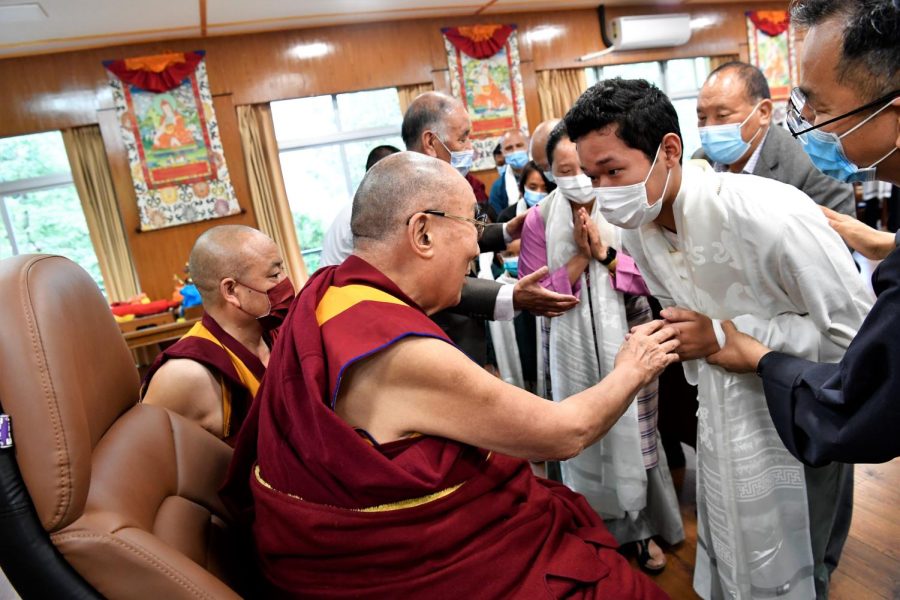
[
  {"x": 267, "y": 193},
  {"x": 408, "y": 93},
  {"x": 717, "y": 61},
  {"x": 558, "y": 90},
  {"x": 90, "y": 171}
]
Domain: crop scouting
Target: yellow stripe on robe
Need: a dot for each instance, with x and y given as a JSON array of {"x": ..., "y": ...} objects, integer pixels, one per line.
[
  {"x": 339, "y": 299},
  {"x": 247, "y": 377},
  {"x": 399, "y": 505}
]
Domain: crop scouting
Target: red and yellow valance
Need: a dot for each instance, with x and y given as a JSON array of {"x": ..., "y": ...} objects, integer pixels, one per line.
[
  {"x": 479, "y": 41},
  {"x": 157, "y": 73},
  {"x": 770, "y": 22}
]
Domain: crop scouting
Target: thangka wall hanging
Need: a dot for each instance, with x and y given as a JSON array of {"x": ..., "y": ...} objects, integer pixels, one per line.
[
  {"x": 771, "y": 45},
  {"x": 166, "y": 116},
  {"x": 485, "y": 75}
]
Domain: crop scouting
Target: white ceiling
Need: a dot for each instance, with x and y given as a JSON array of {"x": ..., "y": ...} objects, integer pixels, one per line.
[{"x": 73, "y": 24}]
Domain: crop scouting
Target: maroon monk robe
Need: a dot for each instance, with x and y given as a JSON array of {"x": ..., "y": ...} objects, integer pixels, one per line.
[
  {"x": 237, "y": 370},
  {"x": 335, "y": 516}
]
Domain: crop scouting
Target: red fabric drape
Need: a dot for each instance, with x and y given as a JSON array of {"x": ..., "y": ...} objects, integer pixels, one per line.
[
  {"x": 479, "y": 41},
  {"x": 770, "y": 22},
  {"x": 158, "y": 73}
]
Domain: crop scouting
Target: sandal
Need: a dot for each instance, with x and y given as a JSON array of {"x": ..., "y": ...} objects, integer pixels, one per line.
[{"x": 644, "y": 557}]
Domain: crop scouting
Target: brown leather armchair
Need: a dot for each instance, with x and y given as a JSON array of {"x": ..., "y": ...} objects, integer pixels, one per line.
[{"x": 126, "y": 493}]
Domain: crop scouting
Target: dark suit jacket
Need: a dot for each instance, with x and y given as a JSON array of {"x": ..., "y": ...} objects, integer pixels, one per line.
[
  {"x": 849, "y": 411},
  {"x": 783, "y": 159}
]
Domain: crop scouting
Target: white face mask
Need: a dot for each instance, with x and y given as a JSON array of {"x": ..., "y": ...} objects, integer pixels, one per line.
[
  {"x": 576, "y": 188},
  {"x": 627, "y": 205}
]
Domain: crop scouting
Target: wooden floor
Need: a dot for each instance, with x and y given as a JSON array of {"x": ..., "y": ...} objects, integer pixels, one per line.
[{"x": 870, "y": 564}]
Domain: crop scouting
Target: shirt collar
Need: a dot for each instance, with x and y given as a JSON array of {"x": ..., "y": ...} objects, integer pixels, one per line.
[{"x": 751, "y": 162}]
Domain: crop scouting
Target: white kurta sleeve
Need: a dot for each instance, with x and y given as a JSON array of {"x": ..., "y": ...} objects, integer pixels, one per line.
[{"x": 813, "y": 267}]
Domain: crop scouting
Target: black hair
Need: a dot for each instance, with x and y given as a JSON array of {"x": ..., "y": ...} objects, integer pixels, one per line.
[
  {"x": 498, "y": 149},
  {"x": 870, "y": 55},
  {"x": 643, "y": 113},
  {"x": 526, "y": 170},
  {"x": 379, "y": 152},
  {"x": 556, "y": 135},
  {"x": 755, "y": 83}
]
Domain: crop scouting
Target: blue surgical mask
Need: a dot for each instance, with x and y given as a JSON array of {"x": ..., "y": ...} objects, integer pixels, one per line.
[
  {"x": 723, "y": 143},
  {"x": 827, "y": 153},
  {"x": 511, "y": 264},
  {"x": 461, "y": 160},
  {"x": 517, "y": 159},
  {"x": 533, "y": 198},
  {"x": 549, "y": 176}
]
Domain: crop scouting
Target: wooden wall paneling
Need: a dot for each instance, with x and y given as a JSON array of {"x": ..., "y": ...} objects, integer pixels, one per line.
[
  {"x": 532, "y": 102},
  {"x": 162, "y": 253},
  {"x": 440, "y": 79},
  {"x": 47, "y": 92}
]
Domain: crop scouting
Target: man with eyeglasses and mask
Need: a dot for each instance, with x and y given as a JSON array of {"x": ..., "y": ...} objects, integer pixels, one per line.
[
  {"x": 714, "y": 246},
  {"x": 734, "y": 116},
  {"x": 846, "y": 114},
  {"x": 212, "y": 374}
]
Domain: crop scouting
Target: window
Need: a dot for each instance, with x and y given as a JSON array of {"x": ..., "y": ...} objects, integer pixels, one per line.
[
  {"x": 680, "y": 79},
  {"x": 323, "y": 143},
  {"x": 39, "y": 205}
]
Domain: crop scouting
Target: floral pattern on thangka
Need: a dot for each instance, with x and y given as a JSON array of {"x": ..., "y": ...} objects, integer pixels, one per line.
[{"x": 191, "y": 133}]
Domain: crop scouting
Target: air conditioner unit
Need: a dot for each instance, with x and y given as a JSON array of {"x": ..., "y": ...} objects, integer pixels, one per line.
[{"x": 650, "y": 31}]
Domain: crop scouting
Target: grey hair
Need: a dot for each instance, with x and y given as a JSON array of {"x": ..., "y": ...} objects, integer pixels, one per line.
[{"x": 428, "y": 112}]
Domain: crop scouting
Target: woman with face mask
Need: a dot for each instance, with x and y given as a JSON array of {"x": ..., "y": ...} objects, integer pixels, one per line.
[
  {"x": 515, "y": 342},
  {"x": 633, "y": 493}
]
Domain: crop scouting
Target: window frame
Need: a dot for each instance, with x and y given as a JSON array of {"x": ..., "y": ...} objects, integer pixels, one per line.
[
  {"x": 27, "y": 186},
  {"x": 340, "y": 138}
]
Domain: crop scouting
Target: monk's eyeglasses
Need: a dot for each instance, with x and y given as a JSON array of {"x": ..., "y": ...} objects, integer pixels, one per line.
[
  {"x": 480, "y": 222},
  {"x": 798, "y": 115}
]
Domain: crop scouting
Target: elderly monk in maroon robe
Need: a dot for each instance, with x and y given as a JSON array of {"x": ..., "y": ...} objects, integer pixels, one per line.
[
  {"x": 212, "y": 373},
  {"x": 378, "y": 461}
]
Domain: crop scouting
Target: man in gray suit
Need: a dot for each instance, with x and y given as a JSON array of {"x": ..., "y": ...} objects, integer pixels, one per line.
[
  {"x": 734, "y": 113},
  {"x": 438, "y": 125}
]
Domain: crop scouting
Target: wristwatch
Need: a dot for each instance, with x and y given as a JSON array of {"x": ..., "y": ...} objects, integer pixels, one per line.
[{"x": 610, "y": 256}]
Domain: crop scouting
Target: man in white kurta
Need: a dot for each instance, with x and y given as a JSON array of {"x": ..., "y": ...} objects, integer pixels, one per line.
[
  {"x": 761, "y": 254},
  {"x": 724, "y": 246}
]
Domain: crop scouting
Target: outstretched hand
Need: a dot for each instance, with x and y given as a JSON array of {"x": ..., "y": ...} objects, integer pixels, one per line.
[
  {"x": 871, "y": 243},
  {"x": 741, "y": 353},
  {"x": 530, "y": 295},
  {"x": 649, "y": 349}
]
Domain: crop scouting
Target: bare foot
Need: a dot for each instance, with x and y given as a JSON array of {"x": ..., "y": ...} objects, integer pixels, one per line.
[
  {"x": 656, "y": 561},
  {"x": 657, "y": 557}
]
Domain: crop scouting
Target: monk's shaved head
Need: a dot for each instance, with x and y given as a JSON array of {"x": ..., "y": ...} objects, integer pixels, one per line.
[
  {"x": 395, "y": 188},
  {"x": 224, "y": 251},
  {"x": 539, "y": 139}
]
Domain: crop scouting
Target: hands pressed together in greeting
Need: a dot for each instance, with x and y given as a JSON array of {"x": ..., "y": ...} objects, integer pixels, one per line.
[{"x": 587, "y": 236}]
